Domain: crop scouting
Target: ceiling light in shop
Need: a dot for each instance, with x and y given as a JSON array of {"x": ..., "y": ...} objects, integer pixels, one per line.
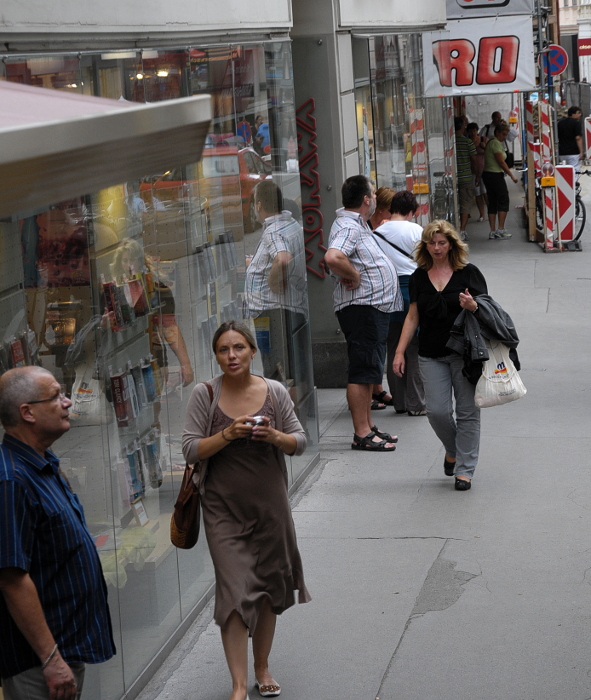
[
  {"x": 140, "y": 76},
  {"x": 162, "y": 74},
  {"x": 118, "y": 55}
]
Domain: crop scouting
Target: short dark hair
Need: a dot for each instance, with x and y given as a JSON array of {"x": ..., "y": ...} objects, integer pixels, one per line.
[
  {"x": 403, "y": 203},
  {"x": 354, "y": 189},
  {"x": 270, "y": 197},
  {"x": 472, "y": 125},
  {"x": 458, "y": 123},
  {"x": 232, "y": 325},
  {"x": 573, "y": 110}
]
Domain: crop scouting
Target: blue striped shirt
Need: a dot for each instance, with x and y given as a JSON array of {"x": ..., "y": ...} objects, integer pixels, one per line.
[
  {"x": 378, "y": 284},
  {"x": 43, "y": 532}
]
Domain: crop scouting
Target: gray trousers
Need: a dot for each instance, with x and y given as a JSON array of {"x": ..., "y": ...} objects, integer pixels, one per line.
[
  {"x": 31, "y": 685},
  {"x": 407, "y": 391},
  {"x": 460, "y": 434}
]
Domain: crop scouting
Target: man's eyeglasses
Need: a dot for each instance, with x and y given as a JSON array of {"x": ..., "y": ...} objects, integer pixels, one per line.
[{"x": 61, "y": 396}]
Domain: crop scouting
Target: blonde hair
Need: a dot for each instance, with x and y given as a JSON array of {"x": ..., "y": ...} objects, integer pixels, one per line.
[
  {"x": 384, "y": 198},
  {"x": 458, "y": 252},
  {"x": 132, "y": 248}
]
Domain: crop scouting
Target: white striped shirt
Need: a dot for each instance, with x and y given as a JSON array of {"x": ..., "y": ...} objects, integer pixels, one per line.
[{"x": 378, "y": 285}]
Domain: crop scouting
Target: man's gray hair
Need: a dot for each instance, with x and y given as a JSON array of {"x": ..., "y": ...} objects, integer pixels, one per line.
[{"x": 18, "y": 386}]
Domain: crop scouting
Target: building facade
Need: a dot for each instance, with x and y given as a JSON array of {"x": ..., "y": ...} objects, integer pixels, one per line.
[{"x": 361, "y": 109}]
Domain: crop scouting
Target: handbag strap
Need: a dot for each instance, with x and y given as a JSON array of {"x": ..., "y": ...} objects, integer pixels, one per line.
[
  {"x": 194, "y": 466},
  {"x": 408, "y": 255}
]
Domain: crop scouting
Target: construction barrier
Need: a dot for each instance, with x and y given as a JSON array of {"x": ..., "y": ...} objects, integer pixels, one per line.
[
  {"x": 587, "y": 137},
  {"x": 565, "y": 202}
]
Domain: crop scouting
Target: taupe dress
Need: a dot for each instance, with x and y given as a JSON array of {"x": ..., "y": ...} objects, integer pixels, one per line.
[{"x": 249, "y": 527}]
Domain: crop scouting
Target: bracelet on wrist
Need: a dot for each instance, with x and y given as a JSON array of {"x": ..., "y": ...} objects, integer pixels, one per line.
[
  {"x": 476, "y": 309},
  {"x": 225, "y": 438},
  {"x": 49, "y": 658}
]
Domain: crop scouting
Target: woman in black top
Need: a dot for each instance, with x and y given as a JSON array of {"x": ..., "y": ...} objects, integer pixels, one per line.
[{"x": 443, "y": 284}]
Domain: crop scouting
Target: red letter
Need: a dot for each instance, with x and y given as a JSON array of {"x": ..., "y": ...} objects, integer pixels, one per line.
[
  {"x": 507, "y": 48},
  {"x": 454, "y": 54}
]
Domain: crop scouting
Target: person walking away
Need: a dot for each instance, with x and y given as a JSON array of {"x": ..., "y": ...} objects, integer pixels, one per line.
[
  {"x": 365, "y": 293},
  {"x": 443, "y": 284},
  {"x": 239, "y": 427},
  {"x": 495, "y": 169},
  {"x": 380, "y": 397},
  {"x": 54, "y": 614},
  {"x": 479, "y": 189},
  {"x": 398, "y": 239},
  {"x": 570, "y": 138},
  {"x": 466, "y": 167}
]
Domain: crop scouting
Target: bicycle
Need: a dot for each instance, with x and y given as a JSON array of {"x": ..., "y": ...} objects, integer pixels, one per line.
[{"x": 580, "y": 210}]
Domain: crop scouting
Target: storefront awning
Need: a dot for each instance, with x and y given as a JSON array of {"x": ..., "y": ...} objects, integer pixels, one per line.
[{"x": 56, "y": 145}]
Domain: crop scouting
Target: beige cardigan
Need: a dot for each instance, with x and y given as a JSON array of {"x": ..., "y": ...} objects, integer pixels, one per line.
[{"x": 200, "y": 418}]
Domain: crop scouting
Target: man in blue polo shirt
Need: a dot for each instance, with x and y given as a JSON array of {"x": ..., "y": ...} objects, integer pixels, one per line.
[{"x": 54, "y": 615}]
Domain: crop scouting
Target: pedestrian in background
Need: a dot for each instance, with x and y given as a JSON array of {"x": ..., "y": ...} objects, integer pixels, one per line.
[
  {"x": 466, "y": 167},
  {"x": 479, "y": 189},
  {"x": 398, "y": 239},
  {"x": 495, "y": 169},
  {"x": 379, "y": 396},
  {"x": 365, "y": 293},
  {"x": 54, "y": 615},
  {"x": 443, "y": 284},
  {"x": 570, "y": 138}
]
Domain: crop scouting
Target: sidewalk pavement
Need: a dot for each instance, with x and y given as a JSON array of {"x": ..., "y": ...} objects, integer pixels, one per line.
[{"x": 420, "y": 591}]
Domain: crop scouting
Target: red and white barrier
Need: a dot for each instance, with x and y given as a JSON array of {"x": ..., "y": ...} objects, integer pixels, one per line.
[
  {"x": 423, "y": 217},
  {"x": 565, "y": 202},
  {"x": 587, "y": 137},
  {"x": 549, "y": 218},
  {"x": 529, "y": 121},
  {"x": 545, "y": 116}
]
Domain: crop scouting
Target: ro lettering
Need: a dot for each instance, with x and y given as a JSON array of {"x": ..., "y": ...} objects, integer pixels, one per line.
[{"x": 495, "y": 61}]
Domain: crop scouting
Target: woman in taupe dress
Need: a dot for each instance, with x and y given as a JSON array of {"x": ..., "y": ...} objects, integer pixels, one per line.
[{"x": 243, "y": 483}]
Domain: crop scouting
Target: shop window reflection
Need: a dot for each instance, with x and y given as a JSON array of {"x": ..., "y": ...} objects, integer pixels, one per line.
[{"x": 123, "y": 289}]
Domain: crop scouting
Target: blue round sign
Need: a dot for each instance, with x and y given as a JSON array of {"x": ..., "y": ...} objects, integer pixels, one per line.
[{"x": 556, "y": 59}]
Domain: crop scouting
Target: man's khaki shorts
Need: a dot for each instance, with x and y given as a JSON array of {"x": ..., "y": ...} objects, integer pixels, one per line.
[{"x": 466, "y": 196}]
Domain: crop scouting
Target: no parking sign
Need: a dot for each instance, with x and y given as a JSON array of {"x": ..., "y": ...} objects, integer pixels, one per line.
[{"x": 556, "y": 58}]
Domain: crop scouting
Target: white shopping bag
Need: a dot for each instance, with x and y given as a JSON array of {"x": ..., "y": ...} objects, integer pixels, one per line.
[{"x": 500, "y": 382}]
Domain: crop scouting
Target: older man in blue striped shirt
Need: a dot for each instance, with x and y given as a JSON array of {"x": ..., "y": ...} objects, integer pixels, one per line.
[
  {"x": 54, "y": 615},
  {"x": 366, "y": 292}
]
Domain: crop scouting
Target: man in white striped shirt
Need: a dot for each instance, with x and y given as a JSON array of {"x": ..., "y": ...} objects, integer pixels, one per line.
[{"x": 366, "y": 290}]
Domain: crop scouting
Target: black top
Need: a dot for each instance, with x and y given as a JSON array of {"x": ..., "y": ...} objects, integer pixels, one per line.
[
  {"x": 568, "y": 130},
  {"x": 439, "y": 310}
]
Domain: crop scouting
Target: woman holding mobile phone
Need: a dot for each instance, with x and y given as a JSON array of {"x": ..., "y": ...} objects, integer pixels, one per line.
[{"x": 240, "y": 436}]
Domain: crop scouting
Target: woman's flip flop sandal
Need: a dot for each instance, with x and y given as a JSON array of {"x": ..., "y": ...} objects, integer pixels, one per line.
[
  {"x": 370, "y": 445},
  {"x": 270, "y": 690}
]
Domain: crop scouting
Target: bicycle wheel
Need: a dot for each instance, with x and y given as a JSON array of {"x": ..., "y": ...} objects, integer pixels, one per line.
[{"x": 580, "y": 217}]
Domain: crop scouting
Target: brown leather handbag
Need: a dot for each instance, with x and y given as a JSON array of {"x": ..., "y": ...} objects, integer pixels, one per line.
[{"x": 186, "y": 516}]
